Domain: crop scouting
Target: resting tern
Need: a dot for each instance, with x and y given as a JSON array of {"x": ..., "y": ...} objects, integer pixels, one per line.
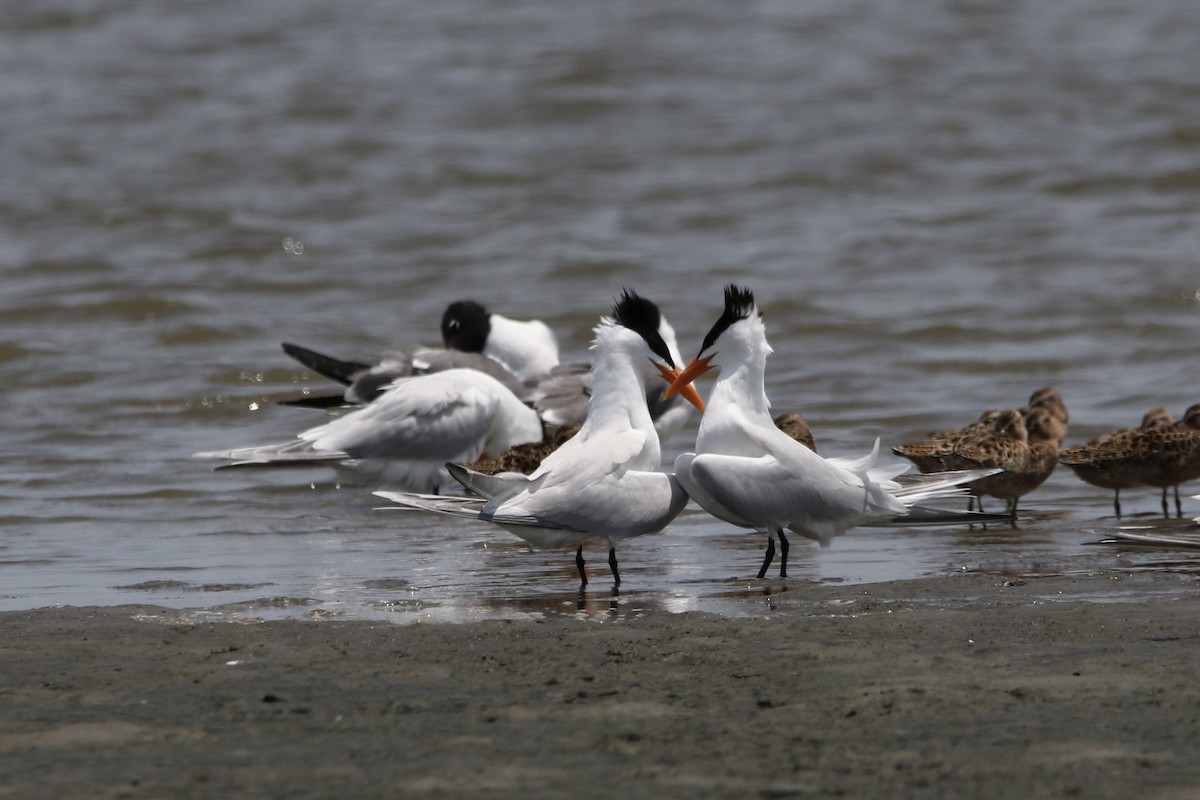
[
  {"x": 515, "y": 352},
  {"x": 747, "y": 472},
  {"x": 416, "y": 426},
  {"x": 606, "y": 481}
]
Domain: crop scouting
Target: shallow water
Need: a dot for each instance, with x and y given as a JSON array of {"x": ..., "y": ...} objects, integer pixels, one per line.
[{"x": 942, "y": 209}]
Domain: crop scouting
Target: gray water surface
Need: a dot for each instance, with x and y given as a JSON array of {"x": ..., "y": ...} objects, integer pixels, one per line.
[{"x": 942, "y": 206}]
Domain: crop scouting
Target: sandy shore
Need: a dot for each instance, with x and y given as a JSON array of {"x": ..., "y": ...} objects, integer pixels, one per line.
[{"x": 957, "y": 687}]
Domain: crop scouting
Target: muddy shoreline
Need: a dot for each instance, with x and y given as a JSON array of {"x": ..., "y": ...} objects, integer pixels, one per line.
[{"x": 966, "y": 686}]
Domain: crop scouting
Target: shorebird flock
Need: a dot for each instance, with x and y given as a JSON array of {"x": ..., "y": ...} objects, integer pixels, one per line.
[{"x": 560, "y": 454}]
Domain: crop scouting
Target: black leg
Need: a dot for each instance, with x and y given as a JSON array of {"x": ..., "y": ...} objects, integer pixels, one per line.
[
  {"x": 1166, "y": 508},
  {"x": 579, "y": 566},
  {"x": 1117, "y": 502},
  {"x": 762, "y": 573},
  {"x": 1178, "y": 505},
  {"x": 783, "y": 551},
  {"x": 612, "y": 564}
]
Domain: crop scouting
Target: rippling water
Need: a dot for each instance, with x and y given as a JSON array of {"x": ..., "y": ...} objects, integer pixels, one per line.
[{"x": 944, "y": 205}]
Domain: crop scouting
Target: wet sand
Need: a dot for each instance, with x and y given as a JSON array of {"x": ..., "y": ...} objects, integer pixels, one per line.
[{"x": 966, "y": 686}]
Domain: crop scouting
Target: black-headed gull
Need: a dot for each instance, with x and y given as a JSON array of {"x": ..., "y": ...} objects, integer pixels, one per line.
[
  {"x": 521, "y": 354},
  {"x": 515, "y": 352}
]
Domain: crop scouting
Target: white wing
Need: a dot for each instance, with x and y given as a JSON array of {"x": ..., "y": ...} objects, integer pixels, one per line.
[
  {"x": 527, "y": 349},
  {"x": 683, "y": 473},
  {"x": 443, "y": 416},
  {"x": 789, "y": 486},
  {"x": 589, "y": 457},
  {"x": 622, "y": 505},
  {"x": 432, "y": 361}
]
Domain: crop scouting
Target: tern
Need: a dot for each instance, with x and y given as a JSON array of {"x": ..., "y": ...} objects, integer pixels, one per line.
[
  {"x": 747, "y": 472},
  {"x": 604, "y": 482},
  {"x": 417, "y": 425}
]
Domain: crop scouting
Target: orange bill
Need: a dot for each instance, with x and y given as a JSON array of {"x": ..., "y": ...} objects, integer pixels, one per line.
[
  {"x": 683, "y": 380},
  {"x": 694, "y": 370},
  {"x": 687, "y": 392}
]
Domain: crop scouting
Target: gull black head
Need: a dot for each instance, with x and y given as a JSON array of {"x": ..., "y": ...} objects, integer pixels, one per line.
[
  {"x": 465, "y": 326},
  {"x": 739, "y": 305},
  {"x": 643, "y": 318}
]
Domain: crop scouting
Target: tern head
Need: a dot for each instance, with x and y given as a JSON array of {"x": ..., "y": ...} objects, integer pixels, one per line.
[
  {"x": 737, "y": 333},
  {"x": 643, "y": 318},
  {"x": 465, "y": 326}
]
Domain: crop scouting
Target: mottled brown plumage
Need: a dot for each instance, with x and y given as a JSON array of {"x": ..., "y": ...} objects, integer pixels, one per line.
[
  {"x": 524, "y": 458},
  {"x": 1023, "y": 444},
  {"x": 1050, "y": 400},
  {"x": 945, "y": 451},
  {"x": 1007, "y": 448},
  {"x": 796, "y": 427},
  {"x": 1103, "y": 461},
  {"x": 1162, "y": 455},
  {"x": 1168, "y": 455},
  {"x": 1026, "y": 455},
  {"x": 1022, "y": 475},
  {"x": 932, "y": 454}
]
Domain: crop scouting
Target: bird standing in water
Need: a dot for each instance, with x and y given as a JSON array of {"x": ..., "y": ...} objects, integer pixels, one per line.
[
  {"x": 748, "y": 472},
  {"x": 604, "y": 482}
]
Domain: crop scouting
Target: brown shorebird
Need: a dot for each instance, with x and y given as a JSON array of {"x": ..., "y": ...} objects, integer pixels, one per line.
[
  {"x": 944, "y": 441},
  {"x": 931, "y": 454},
  {"x": 1168, "y": 456},
  {"x": 1026, "y": 461},
  {"x": 794, "y": 426},
  {"x": 1023, "y": 443},
  {"x": 1005, "y": 445},
  {"x": 1051, "y": 401},
  {"x": 1043, "y": 434},
  {"x": 1104, "y": 461}
]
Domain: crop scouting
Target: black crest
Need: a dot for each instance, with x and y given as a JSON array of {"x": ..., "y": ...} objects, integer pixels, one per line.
[
  {"x": 465, "y": 326},
  {"x": 739, "y": 305},
  {"x": 643, "y": 318}
]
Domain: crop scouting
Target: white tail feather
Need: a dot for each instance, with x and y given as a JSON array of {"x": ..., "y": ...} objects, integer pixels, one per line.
[
  {"x": 465, "y": 507},
  {"x": 916, "y": 489}
]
